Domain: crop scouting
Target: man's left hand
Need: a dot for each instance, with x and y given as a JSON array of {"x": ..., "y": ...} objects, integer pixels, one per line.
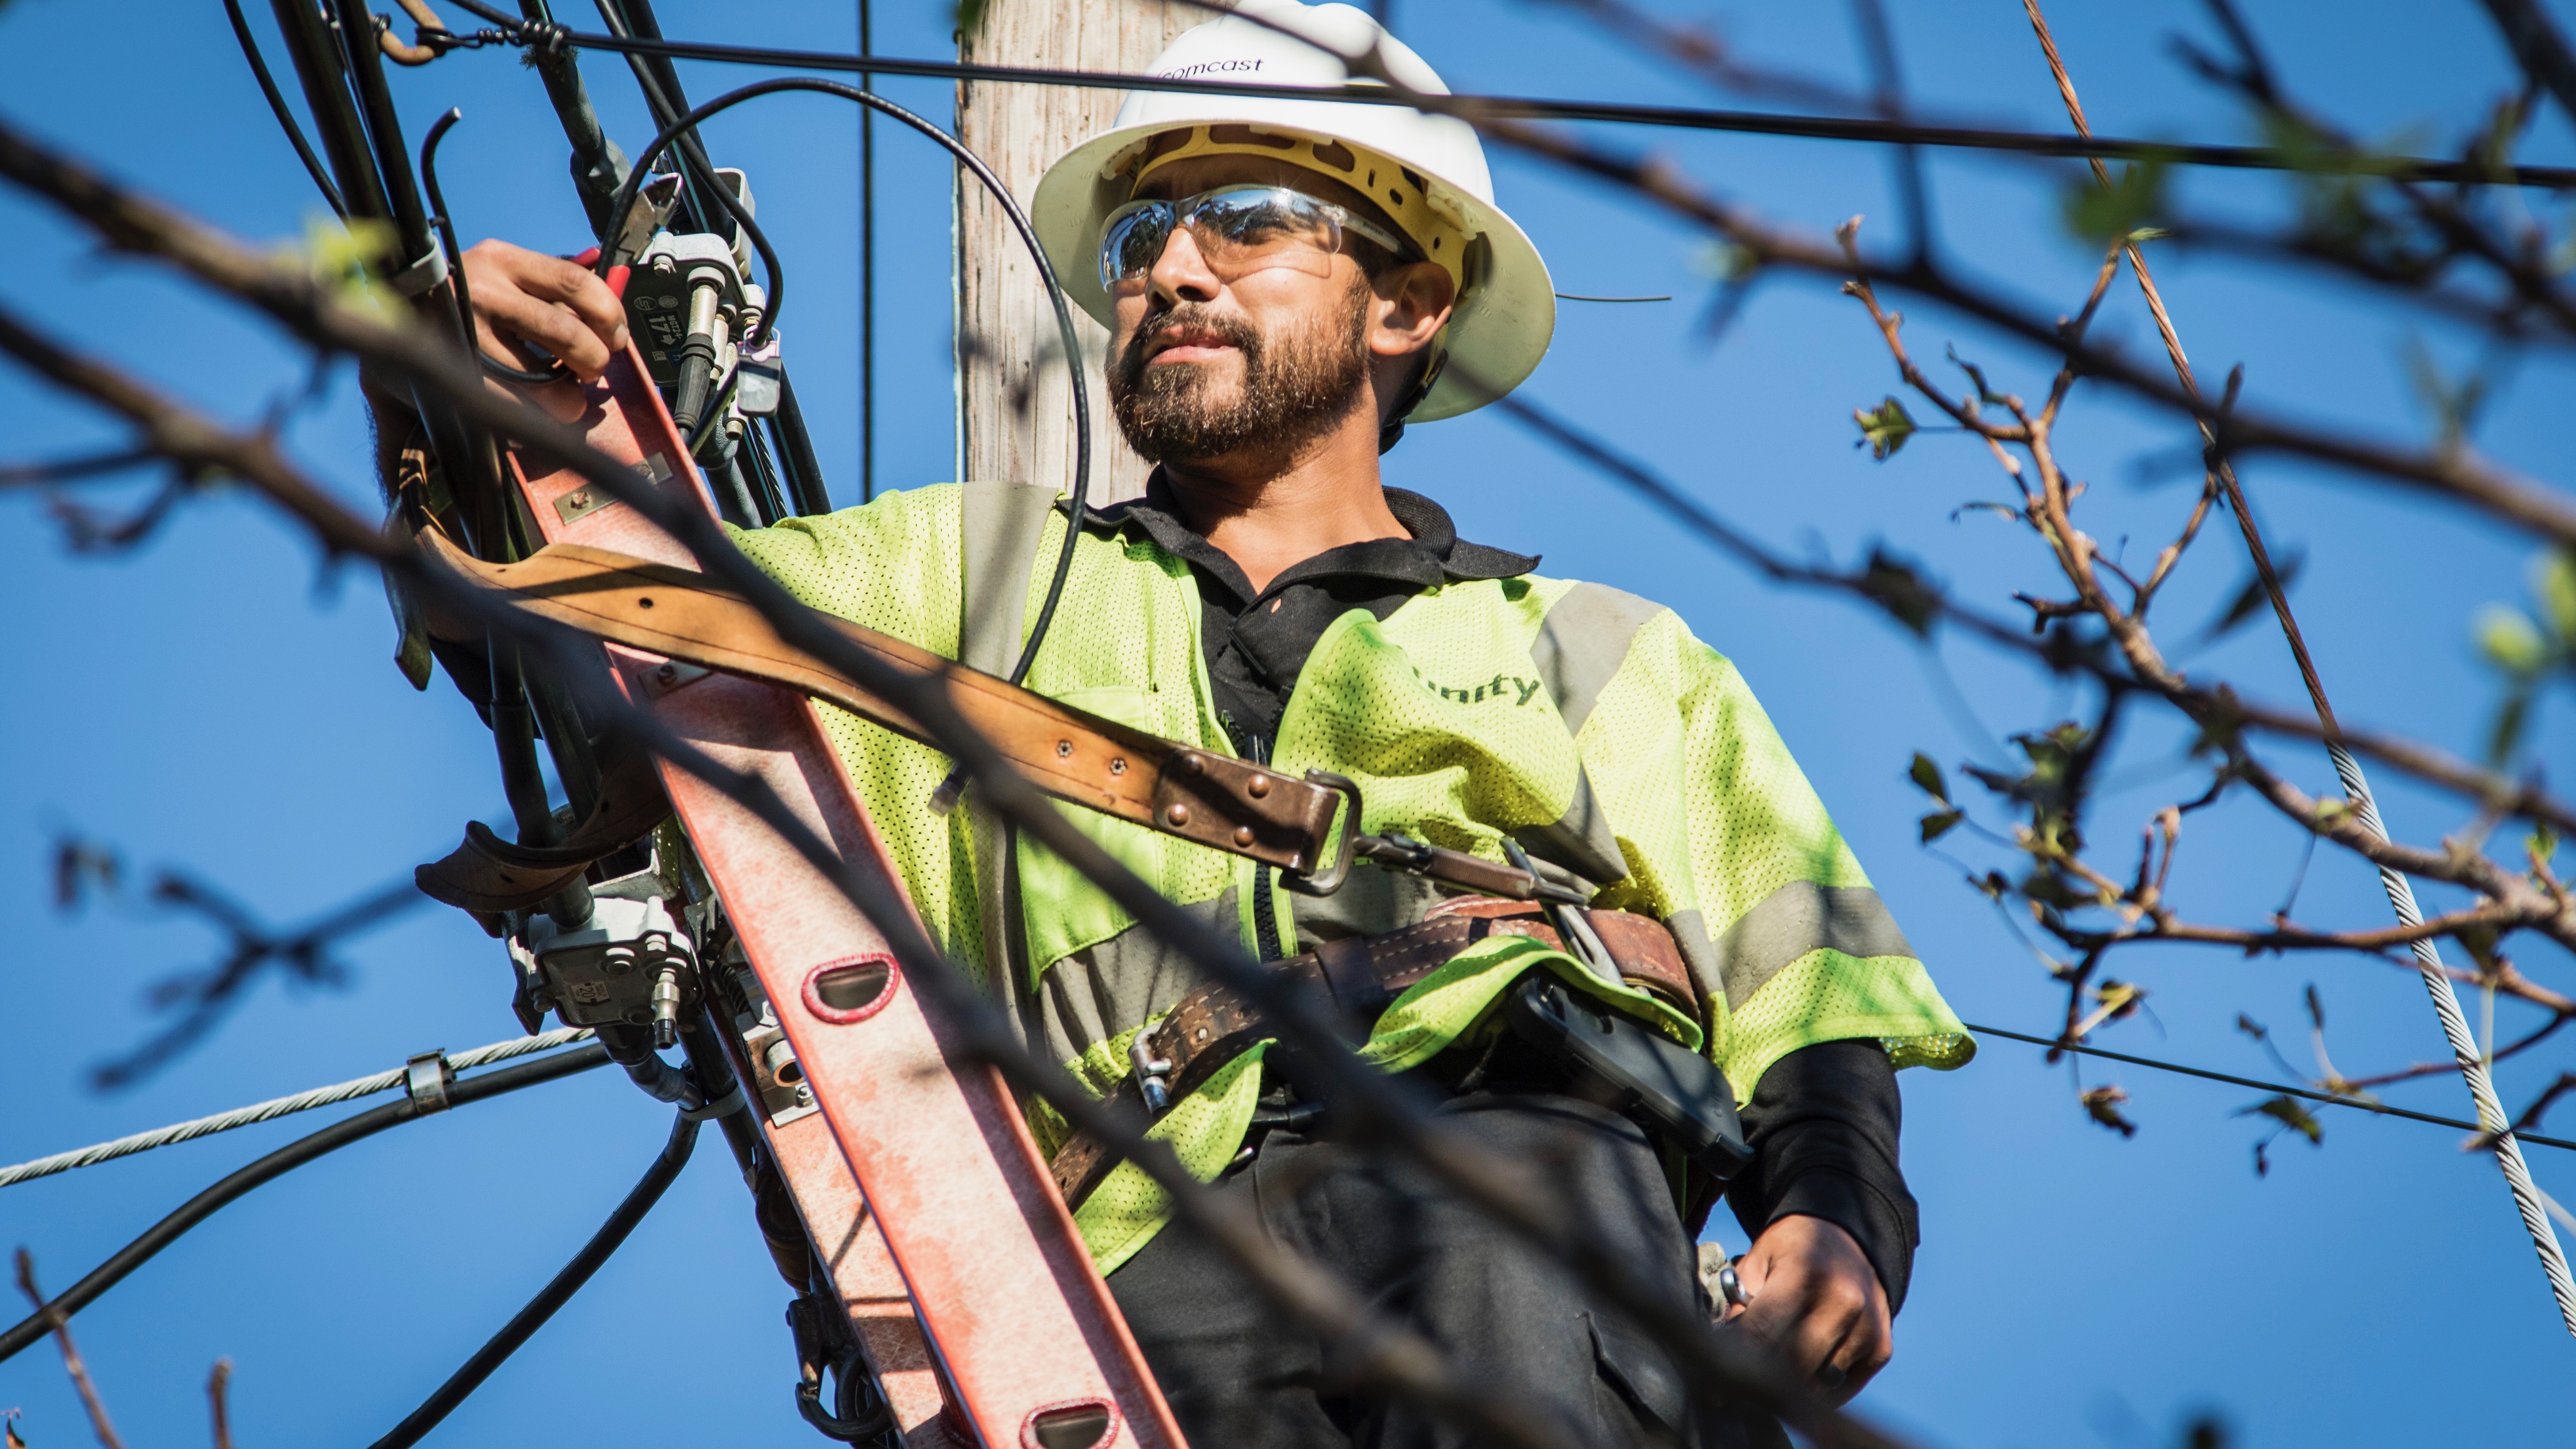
[{"x": 1817, "y": 1302}]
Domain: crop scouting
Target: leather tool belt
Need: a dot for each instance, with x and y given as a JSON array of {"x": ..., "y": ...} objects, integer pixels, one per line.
[{"x": 1212, "y": 1026}]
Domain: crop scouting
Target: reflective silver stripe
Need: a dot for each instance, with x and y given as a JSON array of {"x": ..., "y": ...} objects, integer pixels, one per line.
[
  {"x": 1690, "y": 932},
  {"x": 1581, "y": 839},
  {"x": 1370, "y": 903},
  {"x": 1580, "y": 646},
  {"x": 1099, "y": 991},
  {"x": 1004, "y": 524},
  {"x": 1799, "y": 917},
  {"x": 1582, "y": 643}
]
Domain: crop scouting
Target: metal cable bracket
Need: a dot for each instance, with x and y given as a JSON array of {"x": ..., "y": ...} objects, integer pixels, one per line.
[{"x": 426, "y": 1078}]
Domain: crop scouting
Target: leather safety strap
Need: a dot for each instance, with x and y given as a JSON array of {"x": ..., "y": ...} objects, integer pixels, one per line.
[
  {"x": 1211, "y": 1026},
  {"x": 1208, "y": 799}
]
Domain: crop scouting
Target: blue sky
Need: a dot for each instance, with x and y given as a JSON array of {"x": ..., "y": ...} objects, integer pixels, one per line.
[{"x": 217, "y": 701}]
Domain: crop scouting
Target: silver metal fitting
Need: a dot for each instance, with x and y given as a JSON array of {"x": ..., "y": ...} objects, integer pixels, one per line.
[
  {"x": 778, "y": 1080},
  {"x": 627, "y": 965},
  {"x": 427, "y": 1077},
  {"x": 780, "y": 1062},
  {"x": 759, "y": 371},
  {"x": 1150, "y": 1071},
  {"x": 662, "y": 302},
  {"x": 666, "y": 1007}
]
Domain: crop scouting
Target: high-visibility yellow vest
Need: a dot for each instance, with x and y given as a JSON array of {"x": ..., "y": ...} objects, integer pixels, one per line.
[{"x": 1585, "y": 723}]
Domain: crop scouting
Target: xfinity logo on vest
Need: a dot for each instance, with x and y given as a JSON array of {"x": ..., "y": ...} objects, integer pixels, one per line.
[
  {"x": 1210, "y": 67},
  {"x": 1503, "y": 686}
]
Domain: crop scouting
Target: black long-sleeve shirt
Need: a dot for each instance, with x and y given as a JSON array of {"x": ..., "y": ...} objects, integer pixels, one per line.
[{"x": 1823, "y": 1121}]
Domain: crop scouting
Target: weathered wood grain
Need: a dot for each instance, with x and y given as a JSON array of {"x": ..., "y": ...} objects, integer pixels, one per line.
[{"x": 1018, "y": 420}]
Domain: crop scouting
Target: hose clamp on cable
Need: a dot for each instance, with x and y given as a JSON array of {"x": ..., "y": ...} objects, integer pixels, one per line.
[
  {"x": 725, "y": 1106},
  {"x": 427, "y": 1077},
  {"x": 421, "y": 275}
]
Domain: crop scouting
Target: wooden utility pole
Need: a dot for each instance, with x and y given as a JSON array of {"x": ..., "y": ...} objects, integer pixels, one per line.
[{"x": 1017, "y": 420}]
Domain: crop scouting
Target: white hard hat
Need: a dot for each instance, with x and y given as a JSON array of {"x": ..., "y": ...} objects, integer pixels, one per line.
[{"x": 1426, "y": 171}]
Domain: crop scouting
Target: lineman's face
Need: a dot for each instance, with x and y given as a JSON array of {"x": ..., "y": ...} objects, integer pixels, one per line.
[{"x": 1202, "y": 365}]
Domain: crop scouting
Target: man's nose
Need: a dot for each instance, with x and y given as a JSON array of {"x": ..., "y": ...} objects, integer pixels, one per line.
[{"x": 1181, "y": 273}]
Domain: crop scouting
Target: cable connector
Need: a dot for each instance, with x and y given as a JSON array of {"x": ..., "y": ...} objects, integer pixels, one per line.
[{"x": 666, "y": 1007}]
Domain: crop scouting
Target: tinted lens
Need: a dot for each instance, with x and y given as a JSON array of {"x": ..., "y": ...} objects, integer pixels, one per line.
[
  {"x": 1239, "y": 229},
  {"x": 1133, "y": 241},
  {"x": 1256, "y": 226}
]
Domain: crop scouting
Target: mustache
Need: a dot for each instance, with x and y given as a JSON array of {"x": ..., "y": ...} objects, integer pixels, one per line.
[{"x": 1192, "y": 316}]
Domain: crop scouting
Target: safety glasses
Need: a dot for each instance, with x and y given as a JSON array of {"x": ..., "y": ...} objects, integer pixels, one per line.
[{"x": 1239, "y": 230}]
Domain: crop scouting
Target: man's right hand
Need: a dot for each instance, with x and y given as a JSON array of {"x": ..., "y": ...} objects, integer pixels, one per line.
[{"x": 531, "y": 297}]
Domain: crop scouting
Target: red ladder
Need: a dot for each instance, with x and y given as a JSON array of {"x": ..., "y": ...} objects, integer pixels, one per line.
[{"x": 918, "y": 1180}]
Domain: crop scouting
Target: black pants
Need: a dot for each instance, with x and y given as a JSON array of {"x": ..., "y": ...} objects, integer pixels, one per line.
[{"x": 1241, "y": 1374}]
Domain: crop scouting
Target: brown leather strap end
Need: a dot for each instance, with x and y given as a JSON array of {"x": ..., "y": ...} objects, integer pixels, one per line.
[
  {"x": 475, "y": 877},
  {"x": 488, "y": 874}
]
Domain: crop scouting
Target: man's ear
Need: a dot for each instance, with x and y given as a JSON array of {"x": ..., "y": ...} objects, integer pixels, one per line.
[{"x": 1413, "y": 304}]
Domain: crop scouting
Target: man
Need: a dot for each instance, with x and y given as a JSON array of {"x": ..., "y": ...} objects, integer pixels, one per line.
[{"x": 1286, "y": 284}]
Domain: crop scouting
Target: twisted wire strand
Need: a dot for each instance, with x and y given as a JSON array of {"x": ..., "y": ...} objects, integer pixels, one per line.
[
  {"x": 2464, "y": 1050},
  {"x": 306, "y": 1101}
]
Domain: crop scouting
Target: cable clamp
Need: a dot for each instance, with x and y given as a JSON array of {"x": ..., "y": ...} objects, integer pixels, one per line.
[
  {"x": 421, "y": 275},
  {"x": 725, "y": 1106},
  {"x": 427, "y": 1077}
]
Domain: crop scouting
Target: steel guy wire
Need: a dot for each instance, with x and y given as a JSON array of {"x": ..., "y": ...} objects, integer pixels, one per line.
[
  {"x": 276, "y": 1107},
  {"x": 2464, "y": 1049}
]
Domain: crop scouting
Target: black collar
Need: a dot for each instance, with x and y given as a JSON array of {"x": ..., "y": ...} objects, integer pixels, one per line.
[{"x": 1432, "y": 555}]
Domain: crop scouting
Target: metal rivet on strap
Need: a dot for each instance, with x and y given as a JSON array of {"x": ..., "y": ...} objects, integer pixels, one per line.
[
  {"x": 1118, "y": 765},
  {"x": 1258, "y": 787},
  {"x": 1178, "y": 814},
  {"x": 1063, "y": 749},
  {"x": 1243, "y": 835}
]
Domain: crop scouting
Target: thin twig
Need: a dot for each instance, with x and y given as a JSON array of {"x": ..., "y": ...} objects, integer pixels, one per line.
[
  {"x": 216, "y": 1384},
  {"x": 72, "y": 1364}
]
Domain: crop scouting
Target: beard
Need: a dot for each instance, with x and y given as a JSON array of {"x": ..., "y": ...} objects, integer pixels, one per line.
[{"x": 1297, "y": 383}]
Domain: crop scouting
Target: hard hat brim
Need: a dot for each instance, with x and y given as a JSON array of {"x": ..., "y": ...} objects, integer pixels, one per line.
[{"x": 1495, "y": 338}]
